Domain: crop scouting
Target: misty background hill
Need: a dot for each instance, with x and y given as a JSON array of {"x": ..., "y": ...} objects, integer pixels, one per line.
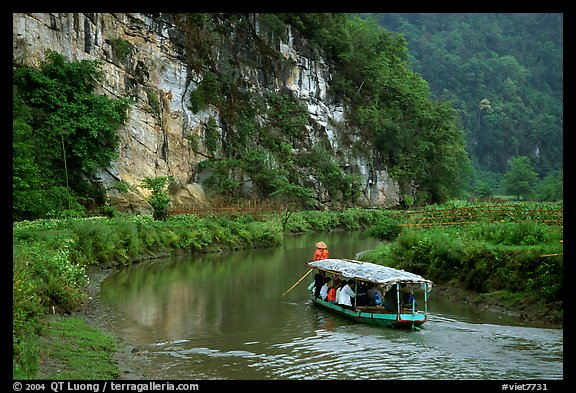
[{"x": 503, "y": 72}]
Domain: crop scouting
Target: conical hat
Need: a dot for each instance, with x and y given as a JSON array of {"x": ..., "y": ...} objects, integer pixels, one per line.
[{"x": 321, "y": 245}]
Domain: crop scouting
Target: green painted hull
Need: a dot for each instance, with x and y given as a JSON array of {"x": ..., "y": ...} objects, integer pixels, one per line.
[{"x": 407, "y": 321}]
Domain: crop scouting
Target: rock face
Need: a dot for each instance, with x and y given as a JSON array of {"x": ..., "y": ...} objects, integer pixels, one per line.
[{"x": 147, "y": 57}]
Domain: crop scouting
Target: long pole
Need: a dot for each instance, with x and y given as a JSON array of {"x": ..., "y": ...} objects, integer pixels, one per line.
[{"x": 297, "y": 282}]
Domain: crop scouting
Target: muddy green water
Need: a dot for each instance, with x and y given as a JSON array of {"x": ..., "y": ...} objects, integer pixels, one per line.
[{"x": 223, "y": 317}]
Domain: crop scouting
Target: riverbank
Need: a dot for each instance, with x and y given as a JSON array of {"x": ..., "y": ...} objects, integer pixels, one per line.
[
  {"x": 132, "y": 364},
  {"x": 96, "y": 314},
  {"x": 121, "y": 360},
  {"x": 52, "y": 259},
  {"x": 526, "y": 311}
]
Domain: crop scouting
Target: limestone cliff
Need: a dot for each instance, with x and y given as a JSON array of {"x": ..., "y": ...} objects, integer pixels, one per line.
[{"x": 152, "y": 59}]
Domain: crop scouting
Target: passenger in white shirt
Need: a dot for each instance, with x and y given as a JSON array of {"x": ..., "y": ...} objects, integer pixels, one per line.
[
  {"x": 339, "y": 289},
  {"x": 346, "y": 294},
  {"x": 324, "y": 289}
]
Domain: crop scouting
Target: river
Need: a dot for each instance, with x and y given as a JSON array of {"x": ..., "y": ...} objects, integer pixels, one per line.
[{"x": 224, "y": 317}]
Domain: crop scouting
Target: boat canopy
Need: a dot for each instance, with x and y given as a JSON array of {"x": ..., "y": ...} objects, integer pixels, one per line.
[{"x": 367, "y": 271}]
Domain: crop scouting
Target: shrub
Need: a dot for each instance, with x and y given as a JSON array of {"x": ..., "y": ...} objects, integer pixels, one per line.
[
  {"x": 95, "y": 243},
  {"x": 159, "y": 200},
  {"x": 121, "y": 48},
  {"x": 355, "y": 218},
  {"x": 387, "y": 228},
  {"x": 524, "y": 233}
]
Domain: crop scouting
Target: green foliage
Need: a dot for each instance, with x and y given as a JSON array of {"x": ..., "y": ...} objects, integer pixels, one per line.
[
  {"x": 209, "y": 91},
  {"x": 122, "y": 186},
  {"x": 160, "y": 199},
  {"x": 520, "y": 179},
  {"x": 504, "y": 72},
  {"x": 50, "y": 256},
  {"x": 212, "y": 136},
  {"x": 511, "y": 233},
  {"x": 551, "y": 188},
  {"x": 62, "y": 133},
  {"x": 221, "y": 180},
  {"x": 286, "y": 114},
  {"x": 349, "y": 219},
  {"x": 340, "y": 185},
  {"x": 96, "y": 244},
  {"x": 153, "y": 101},
  {"x": 324, "y": 30},
  {"x": 81, "y": 351},
  {"x": 545, "y": 280},
  {"x": 415, "y": 139},
  {"x": 407, "y": 201},
  {"x": 273, "y": 25},
  {"x": 483, "y": 189},
  {"x": 356, "y": 218},
  {"x": 461, "y": 212},
  {"x": 261, "y": 155},
  {"x": 484, "y": 257},
  {"x": 387, "y": 228},
  {"x": 293, "y": 193},
  {"x": 26, "y": 309},
  {"x": 43, "y": 276},
  {"x": 121, "y": 48}
]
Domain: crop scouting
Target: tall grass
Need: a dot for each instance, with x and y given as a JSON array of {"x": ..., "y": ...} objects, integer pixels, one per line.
[
  {"x": 483, "y": 257},
  {"x": 350, "y": 219}
]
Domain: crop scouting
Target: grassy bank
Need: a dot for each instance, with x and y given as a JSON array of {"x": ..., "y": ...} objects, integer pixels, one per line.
[
  {"x": 484, "y": 257},
  {"x": 73, "y": 350},
  {"x": 50, "y": 258},
  {"x": 505, "y": 261}
]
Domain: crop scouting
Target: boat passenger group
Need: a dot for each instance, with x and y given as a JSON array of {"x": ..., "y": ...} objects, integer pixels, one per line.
[{"x": 350, "y": 294}]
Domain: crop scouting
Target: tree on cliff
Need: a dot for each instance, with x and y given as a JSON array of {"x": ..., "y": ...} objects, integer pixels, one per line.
[{"x": 62, "y": 133}]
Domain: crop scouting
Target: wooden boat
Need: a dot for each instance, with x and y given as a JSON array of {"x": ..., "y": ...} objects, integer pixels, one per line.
[{"x": 395, "y": 283}]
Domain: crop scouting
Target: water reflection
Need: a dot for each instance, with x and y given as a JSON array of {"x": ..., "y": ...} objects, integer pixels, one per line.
[{"x": 223, "y": 316}]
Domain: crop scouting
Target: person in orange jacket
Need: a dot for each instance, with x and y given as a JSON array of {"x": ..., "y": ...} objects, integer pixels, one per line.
[{"x": 321, "y": 251}]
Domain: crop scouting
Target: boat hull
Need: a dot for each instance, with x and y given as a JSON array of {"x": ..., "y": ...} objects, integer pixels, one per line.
[{"x": 393, "y": 320}]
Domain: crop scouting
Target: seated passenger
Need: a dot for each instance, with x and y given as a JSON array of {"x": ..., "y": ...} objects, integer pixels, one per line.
[
  {"x": 339, "y": 289},
  {"x": 331, "y": 298},
  {"x": 374, "y": 295},
  {"x": 324, "y": 289},
  {"x": 390, "y": 300},
  {"x": 378, "y": 297},
  {"x": 346, "y": 294},
  {"x": 318, "y": 282},
  {"x": 361, "y": 298},
  {"x": 409, "y": 301},
  {"x": 406, "y": 296}
]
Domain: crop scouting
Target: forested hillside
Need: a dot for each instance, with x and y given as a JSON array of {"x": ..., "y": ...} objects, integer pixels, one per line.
[{"x": 503, "y": 72}]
